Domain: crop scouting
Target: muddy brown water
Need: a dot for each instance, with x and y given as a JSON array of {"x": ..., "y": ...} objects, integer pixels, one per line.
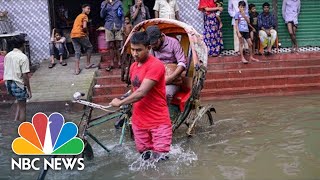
[{"x": 252, "y": 139}]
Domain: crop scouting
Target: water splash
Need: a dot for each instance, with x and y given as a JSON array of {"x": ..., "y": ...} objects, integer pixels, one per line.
[{"x": 177, "y": 157}]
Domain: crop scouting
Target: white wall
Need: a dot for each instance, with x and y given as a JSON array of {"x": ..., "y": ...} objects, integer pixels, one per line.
[
  {"x": 189, "y": 14},
  {"x": 32, "y": 18}
]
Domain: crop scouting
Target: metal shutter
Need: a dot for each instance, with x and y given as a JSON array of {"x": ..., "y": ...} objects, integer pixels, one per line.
[{"x": 309, "y": 26}]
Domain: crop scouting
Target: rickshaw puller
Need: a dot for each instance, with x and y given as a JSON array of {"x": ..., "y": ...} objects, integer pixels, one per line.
[{"x": 151, "y": 123}]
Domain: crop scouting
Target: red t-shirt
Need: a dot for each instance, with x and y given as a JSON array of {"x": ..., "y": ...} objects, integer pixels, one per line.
[
  {"x": 152, "y": 110},
  {"x": 206, "y": 4}
]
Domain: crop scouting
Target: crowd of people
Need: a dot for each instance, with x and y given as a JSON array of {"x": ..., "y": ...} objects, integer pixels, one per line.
[{"x": 251, "y": 29}]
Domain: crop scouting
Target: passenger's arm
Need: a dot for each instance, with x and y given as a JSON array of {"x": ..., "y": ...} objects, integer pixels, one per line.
[
  {"x": 181, "y": 60},
  {"x": 175, "y": 74},
  {"x": 142, "y": 91}
]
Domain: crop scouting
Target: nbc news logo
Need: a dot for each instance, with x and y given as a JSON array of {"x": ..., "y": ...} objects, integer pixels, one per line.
[{"x": 47, "y": 136}]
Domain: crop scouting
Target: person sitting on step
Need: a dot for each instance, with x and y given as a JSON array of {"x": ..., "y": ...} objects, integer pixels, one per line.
[
  {"x": 58, "y": 48},
  {"x": 267, "y": 25}
]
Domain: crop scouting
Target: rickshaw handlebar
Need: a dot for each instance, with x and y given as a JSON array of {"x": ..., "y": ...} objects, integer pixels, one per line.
[{"x": 77, "y": 95}]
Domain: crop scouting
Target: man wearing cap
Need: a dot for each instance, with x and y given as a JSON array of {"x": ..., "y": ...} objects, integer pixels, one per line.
[{"x": 169, "y": 51}]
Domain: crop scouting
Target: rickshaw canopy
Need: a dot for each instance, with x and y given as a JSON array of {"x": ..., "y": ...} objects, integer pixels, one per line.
[{"x": 191, "y": 40}]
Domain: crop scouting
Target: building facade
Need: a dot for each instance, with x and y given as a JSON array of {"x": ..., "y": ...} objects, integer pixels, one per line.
[{"x": 33, "y": 18}]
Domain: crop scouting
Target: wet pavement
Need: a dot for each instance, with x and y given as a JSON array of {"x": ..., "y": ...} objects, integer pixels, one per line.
[
  {"x": 252, "y": 139},
  {"x": 59, "y": 83}
]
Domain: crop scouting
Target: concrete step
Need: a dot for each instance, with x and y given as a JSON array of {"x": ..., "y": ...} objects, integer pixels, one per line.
[
  {"x": 258, "y": 72},
  {"x": 103, "y": 72},
  {"x": 255, "y": 91},
  {"x": 227, "y": 77},
  {"x": 102, "y": 99},
  {"x": 108, "y": 80},
  {"x": 261, "y": 81},
  {"x": 264, "y": 64},
  {"x": 114, "y": 76},
  {"x": 274, "y": 57},
  {"x": 110, "y": 89}
]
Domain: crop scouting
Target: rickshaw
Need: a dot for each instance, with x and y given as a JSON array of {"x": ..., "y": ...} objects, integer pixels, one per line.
[{"x": 185, "y": 107}]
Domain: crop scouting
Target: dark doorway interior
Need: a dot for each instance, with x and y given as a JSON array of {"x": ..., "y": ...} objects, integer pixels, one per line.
[
  {"x": 150, "y": 4},
  {"x": 72, "y": 8}
]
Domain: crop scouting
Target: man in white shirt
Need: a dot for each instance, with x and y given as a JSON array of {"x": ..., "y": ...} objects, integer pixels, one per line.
[
  {"x": 16, "y": 69},
  {"x": 233, "y": 8},
  {"x": 166, "y": 9}
]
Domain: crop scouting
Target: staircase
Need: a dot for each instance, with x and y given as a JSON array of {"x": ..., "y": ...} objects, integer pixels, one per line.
[
  {"x": 276, "y": 75},
  {"x": 108, "y": 84},
  {"x": 227, "y": 78}
]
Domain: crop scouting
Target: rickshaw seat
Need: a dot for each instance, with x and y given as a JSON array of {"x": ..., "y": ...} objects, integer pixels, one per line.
[
  {"x": 182, "y": 96},
  {"x": 180, "y": 99}
]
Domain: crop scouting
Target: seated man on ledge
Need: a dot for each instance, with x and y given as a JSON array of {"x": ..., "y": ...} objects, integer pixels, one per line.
[
  {"x": 169, "y": 51},
  {"x": 267, "y": 25},
  {"x": 58, "y": 48}
]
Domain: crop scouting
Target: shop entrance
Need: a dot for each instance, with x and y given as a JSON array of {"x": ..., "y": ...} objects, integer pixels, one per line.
[{"x": 63, "y": 14}]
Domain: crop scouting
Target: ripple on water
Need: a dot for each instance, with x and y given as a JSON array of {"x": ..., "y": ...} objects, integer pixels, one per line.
[{"x": 232, "y": 172}]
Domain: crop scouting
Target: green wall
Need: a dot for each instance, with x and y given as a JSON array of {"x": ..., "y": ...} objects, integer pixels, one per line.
[{"x": 309, "y": 24}]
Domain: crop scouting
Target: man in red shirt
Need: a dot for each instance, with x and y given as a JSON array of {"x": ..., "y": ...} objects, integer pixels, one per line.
[{"x": 151, "y": 123}]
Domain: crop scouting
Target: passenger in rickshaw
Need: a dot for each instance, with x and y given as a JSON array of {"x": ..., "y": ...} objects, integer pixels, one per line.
[{"x": 169, "y": 51}]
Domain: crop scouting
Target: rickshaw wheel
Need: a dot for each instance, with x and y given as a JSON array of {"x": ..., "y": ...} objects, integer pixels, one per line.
[{"x": 205, "y": 121}]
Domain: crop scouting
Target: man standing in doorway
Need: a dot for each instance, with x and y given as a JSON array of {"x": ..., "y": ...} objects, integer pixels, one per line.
[
  {"x": 112, "y": 13},
  {"x": 79, "y": 37},
  {"x": 233, "y": 8},
  {"x": 166, "y": 9},
  {"x": 16, "y": 69}
]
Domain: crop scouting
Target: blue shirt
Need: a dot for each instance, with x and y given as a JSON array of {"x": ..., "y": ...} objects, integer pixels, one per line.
[
  {"x": 242, "y": 23},
  {"x": 266, "y": 21},
  {"x": 111, "y": 13}
]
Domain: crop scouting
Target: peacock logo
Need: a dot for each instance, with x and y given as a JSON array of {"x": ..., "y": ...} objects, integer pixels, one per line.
[{"x": 45, "y": 136}]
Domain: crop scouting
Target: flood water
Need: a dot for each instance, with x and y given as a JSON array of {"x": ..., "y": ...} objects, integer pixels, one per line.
[{"x": 252, "y": 139}]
